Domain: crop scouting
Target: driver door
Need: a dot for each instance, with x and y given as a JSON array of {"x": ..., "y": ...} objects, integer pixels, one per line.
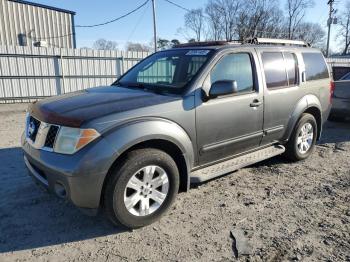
[{"x": 230, "y": 124}]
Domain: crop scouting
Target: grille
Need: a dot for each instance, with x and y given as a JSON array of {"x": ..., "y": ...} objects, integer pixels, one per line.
[
  {"x": 33, "y": 128},
  {"x": 51, "y": 136}
]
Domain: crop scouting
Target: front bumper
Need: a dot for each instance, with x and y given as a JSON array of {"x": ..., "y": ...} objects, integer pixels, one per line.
[{"x": 78, "y": 177}]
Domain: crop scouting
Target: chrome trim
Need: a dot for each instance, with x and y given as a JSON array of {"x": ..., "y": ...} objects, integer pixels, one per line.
[
  {"x": 41, "y": 135},
  {"x": 34, "y": 173}
]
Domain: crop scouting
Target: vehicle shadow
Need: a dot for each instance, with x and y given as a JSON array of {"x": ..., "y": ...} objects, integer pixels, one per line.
[{"x": 30, "y": 217}]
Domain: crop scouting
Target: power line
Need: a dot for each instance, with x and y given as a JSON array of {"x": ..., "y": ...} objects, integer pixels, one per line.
[
  {"x": 116, "y": 19},
  {"x": 137, "y": 24},
  {"x": 89, "y": 26},
  {"x": 177, "y": 5}
]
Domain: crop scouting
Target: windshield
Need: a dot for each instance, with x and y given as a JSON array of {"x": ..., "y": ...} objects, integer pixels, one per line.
[{"x": 167, "y": 71}]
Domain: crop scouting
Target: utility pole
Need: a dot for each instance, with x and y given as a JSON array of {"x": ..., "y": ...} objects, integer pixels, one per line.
[
  {"x": 329, "y": 23},
  {"x": 154, "y": 25}
]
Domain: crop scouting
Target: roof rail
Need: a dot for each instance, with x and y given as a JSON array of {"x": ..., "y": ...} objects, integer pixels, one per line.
[
  {"x": 275, "y": 41},
  {"x": 208, "y": 43}
]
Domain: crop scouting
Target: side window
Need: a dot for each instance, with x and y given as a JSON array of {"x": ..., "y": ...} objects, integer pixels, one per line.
[
  {"x": 292, "y": 68},
  {"x": 315, "y": 66},
  {"x": 236, "y": 67},
  {"x": 275, "y": 70}
]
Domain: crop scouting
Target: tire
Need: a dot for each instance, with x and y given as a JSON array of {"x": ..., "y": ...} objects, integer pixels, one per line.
[
  {"x": 127, "y": 185},
  {"x": 296, "y": 148}
]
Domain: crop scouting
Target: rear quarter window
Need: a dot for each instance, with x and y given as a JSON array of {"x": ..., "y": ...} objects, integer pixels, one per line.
[{"x": 315, "y": 66}]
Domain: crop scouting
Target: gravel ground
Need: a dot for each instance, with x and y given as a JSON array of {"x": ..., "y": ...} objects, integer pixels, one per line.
[{"x": 277, "y": 211}]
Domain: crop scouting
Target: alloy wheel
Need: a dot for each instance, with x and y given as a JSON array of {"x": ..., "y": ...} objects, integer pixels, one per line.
[{"x": 146, "y": 190}]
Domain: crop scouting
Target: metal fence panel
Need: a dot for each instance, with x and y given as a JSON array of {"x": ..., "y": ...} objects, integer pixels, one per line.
[{"x": 29, "y": 73}]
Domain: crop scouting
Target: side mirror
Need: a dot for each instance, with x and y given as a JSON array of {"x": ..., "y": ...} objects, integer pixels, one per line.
[{"x": 223, "y": 87}]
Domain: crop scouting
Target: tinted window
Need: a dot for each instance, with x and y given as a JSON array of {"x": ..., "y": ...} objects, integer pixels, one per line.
[
  {"x": 315, "y": 66},
  {"x": 236, "y": 67},
  {"x": 292, "y": 68},
  {"x": 275, "y": 70},
  {"x": 346, "y": 77}
]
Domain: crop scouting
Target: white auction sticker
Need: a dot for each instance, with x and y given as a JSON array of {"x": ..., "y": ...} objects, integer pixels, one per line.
[{"x": 198, "y": 52}]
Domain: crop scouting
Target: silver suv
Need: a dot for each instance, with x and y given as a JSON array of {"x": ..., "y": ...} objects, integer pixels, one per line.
[{"x": 180, "y": 116}]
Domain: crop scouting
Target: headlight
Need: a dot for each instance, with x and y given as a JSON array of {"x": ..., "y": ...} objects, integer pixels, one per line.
[{"x": 70, "y": 140}]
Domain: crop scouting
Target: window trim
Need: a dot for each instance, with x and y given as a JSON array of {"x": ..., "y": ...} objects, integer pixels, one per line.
[
  {"x": 297, "y": 69},
  {"x": 254, "y": 74}
]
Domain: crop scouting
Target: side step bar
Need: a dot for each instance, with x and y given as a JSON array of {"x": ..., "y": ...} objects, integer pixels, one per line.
[{"x": 234, "y": 164}]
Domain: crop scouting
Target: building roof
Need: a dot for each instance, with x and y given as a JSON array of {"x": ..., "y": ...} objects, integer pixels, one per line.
[{"x": 43, "y": 6}]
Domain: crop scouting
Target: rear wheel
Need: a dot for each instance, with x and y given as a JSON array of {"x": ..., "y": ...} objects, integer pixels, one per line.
[
  {"x": 142, "y": 188},
  {"x": 303, "y": 139}
]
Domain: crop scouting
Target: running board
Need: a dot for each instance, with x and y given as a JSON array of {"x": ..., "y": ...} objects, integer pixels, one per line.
[{"x": 234, "y": 164}]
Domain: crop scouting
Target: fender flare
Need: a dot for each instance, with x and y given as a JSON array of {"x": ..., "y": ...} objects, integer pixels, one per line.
[
  {"x": 308, "y": 101},
  {"x": 124, "y": 136}
]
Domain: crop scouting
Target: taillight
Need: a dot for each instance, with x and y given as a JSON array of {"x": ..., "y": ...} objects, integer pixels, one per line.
[{"x": 331, "y": 91}]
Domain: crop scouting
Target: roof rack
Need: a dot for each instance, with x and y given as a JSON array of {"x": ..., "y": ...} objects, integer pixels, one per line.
[
  {"x": 208, "y": 43},
  {"x": 275, "y": 41}
]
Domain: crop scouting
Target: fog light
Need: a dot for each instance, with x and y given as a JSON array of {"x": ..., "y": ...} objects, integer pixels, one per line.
[{"x": 60, "y": 190}]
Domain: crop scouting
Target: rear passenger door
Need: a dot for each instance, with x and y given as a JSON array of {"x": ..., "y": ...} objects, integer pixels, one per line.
[{"x": 282, "y": 78}]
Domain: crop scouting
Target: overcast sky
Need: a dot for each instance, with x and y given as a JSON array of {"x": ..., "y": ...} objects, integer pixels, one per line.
[{"x": 138, "y": 26}]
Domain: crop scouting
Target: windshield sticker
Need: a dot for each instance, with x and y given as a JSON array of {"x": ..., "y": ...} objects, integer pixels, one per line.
[{"x": 198, "y": 52}]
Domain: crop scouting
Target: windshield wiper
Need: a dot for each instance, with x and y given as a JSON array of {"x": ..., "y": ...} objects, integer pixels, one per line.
[{"x": 143, "y": 86}]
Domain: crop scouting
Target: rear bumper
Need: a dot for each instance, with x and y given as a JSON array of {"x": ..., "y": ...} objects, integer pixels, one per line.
[{"x": 78, "y": 178}]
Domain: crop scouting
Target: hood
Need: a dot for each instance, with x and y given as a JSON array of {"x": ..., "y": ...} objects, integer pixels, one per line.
[{"x": 74, "y": 109}]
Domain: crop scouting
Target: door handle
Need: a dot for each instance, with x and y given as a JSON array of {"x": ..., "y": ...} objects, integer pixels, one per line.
[{"x": 255, "y": 103}]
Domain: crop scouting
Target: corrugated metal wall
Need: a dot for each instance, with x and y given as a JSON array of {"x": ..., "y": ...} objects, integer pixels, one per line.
[
  {"x": 27, "y": 73},
  {"x": 34, "y": 23}
]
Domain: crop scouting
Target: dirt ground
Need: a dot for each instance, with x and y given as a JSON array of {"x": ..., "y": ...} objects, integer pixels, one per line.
[{"x": 277, "y": 211}]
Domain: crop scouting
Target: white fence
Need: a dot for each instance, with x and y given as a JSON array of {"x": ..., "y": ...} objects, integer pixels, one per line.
[
  {"x": 30, "y": 73},
  {"x": 338, "y": 62}
]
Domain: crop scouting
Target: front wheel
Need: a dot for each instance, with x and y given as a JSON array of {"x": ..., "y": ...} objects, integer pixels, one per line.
[
  {"x": 303, "y": 139},
  {"x": 141, "y": 188}
]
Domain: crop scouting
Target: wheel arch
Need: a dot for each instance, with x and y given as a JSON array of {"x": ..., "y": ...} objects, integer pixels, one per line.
[
  {"x": 156, "y": 133},
  {"x": 308, "y": 104}
]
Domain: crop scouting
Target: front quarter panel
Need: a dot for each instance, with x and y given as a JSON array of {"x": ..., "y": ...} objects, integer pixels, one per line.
[{"x": 123, "y": 137}]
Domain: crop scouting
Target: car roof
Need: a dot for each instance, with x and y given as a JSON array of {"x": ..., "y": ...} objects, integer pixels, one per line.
[
  {"x": 235, "y": 46},
  {"x": 257, "y": 43}
]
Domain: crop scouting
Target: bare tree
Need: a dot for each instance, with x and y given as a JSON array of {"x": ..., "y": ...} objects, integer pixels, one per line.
[
  {"x": 312, "y": 33},
  {"x": 345, "y": 27},
  {"x": 223, "y": 16},
  {"x": 103, "y": 44},
  {"x": 214, "y": 20},
  {"x": 130, "y": 46},
  {"x": 260, "y": 18},
  {"x": 295, "y": 14},
  {"x": 194, "y": 20}
]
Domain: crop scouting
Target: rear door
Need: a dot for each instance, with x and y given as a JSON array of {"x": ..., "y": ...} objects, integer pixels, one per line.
[{"x": 281, "y": 73}]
